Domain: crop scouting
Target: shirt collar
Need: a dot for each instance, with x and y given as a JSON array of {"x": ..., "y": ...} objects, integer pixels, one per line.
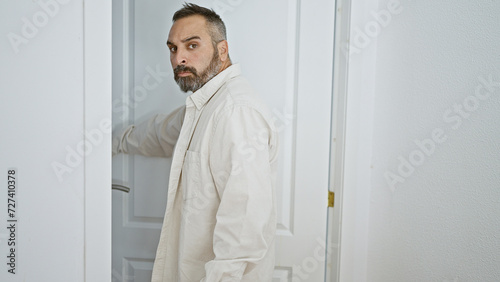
[{"x": 202, "y": 95}]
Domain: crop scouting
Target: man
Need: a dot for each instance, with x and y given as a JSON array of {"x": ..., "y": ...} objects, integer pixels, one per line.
[{"x": 220, "y": 218}]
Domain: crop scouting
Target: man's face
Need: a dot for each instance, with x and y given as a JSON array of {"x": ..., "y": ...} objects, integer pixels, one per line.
[{"x": 192, "y": 54}]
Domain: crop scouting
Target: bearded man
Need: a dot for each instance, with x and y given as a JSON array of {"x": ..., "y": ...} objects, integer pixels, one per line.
[{"x": 220, "y": 218}]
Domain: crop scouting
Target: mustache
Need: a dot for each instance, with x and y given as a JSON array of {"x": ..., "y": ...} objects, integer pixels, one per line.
[{"x": 183, "y": 68}]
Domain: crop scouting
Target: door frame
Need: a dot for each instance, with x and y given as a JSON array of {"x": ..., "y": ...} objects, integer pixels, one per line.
[
  {"x": 338, "y": 154},
  {"x": 97, "y": 119},
  {"x": 97, "y": 103},
  {"x": 353, "y": 90}
]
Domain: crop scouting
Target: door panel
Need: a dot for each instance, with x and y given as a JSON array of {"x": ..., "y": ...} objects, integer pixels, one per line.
[{"x": 270, "y": 39}]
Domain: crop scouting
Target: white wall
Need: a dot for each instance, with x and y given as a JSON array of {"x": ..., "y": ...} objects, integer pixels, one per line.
[
  {"x": 421, "y": 78},
  {"x": 48, "y": 100}
]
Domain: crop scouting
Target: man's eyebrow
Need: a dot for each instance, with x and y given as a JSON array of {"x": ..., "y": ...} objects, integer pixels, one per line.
[
  {"x": 185, "y": 40},
  {"x": 190, "y": 38}
]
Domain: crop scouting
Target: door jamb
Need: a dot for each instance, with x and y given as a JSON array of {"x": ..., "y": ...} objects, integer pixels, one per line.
[
  {"x": 97, "y": 160},
  {"x": 338, "y": 135}
]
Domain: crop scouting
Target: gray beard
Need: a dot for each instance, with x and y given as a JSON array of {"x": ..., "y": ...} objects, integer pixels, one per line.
[{"x": 195, "y": 82}]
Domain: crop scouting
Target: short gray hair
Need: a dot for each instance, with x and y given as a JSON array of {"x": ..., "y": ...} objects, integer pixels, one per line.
[{"x": 216, "y": 27}]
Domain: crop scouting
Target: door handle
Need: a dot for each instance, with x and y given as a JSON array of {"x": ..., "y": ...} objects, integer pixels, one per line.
[{"x": 120, "y": 187}]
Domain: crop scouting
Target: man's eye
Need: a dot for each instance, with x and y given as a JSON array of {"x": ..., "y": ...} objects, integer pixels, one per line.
[
  {"x": 192, "y": 46},
  {"x": 173, "y": 49}
]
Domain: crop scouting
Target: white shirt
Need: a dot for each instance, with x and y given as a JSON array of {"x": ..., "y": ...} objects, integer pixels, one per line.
[{"x": 220, "y": 219}]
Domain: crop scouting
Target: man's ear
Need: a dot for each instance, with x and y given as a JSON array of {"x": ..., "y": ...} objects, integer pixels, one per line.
[{"x": 223, "y": 50}]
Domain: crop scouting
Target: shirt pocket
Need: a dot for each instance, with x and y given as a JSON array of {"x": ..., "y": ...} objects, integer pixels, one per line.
[{"x": 191, "y": 176}]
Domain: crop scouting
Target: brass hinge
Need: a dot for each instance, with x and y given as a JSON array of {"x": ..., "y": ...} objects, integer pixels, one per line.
[{"x": 331, "y": 199}]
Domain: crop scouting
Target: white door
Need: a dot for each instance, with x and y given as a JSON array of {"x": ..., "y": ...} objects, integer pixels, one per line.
[{"x": 285, "y": 48}]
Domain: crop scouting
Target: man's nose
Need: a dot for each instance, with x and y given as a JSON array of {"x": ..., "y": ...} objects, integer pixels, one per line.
[{"x": 181, "y": 57}]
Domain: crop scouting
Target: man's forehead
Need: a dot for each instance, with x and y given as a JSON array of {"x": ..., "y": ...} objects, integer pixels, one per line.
[{"x": 188, "y": 27}]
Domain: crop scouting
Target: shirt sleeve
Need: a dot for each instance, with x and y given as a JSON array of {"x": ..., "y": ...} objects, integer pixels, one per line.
[
  {"x": 155, "y": 137},
  {"x": 242, "y": 152}
]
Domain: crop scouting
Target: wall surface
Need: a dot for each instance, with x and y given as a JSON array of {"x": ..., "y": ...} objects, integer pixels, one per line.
[
  {"x": 433, "y": 195},
  {"x": 42, "y": 70},
  {"x": 51, "y": 143}
]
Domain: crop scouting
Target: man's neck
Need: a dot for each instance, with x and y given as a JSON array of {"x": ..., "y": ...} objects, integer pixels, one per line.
[{"x": 225, "y": 65}]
